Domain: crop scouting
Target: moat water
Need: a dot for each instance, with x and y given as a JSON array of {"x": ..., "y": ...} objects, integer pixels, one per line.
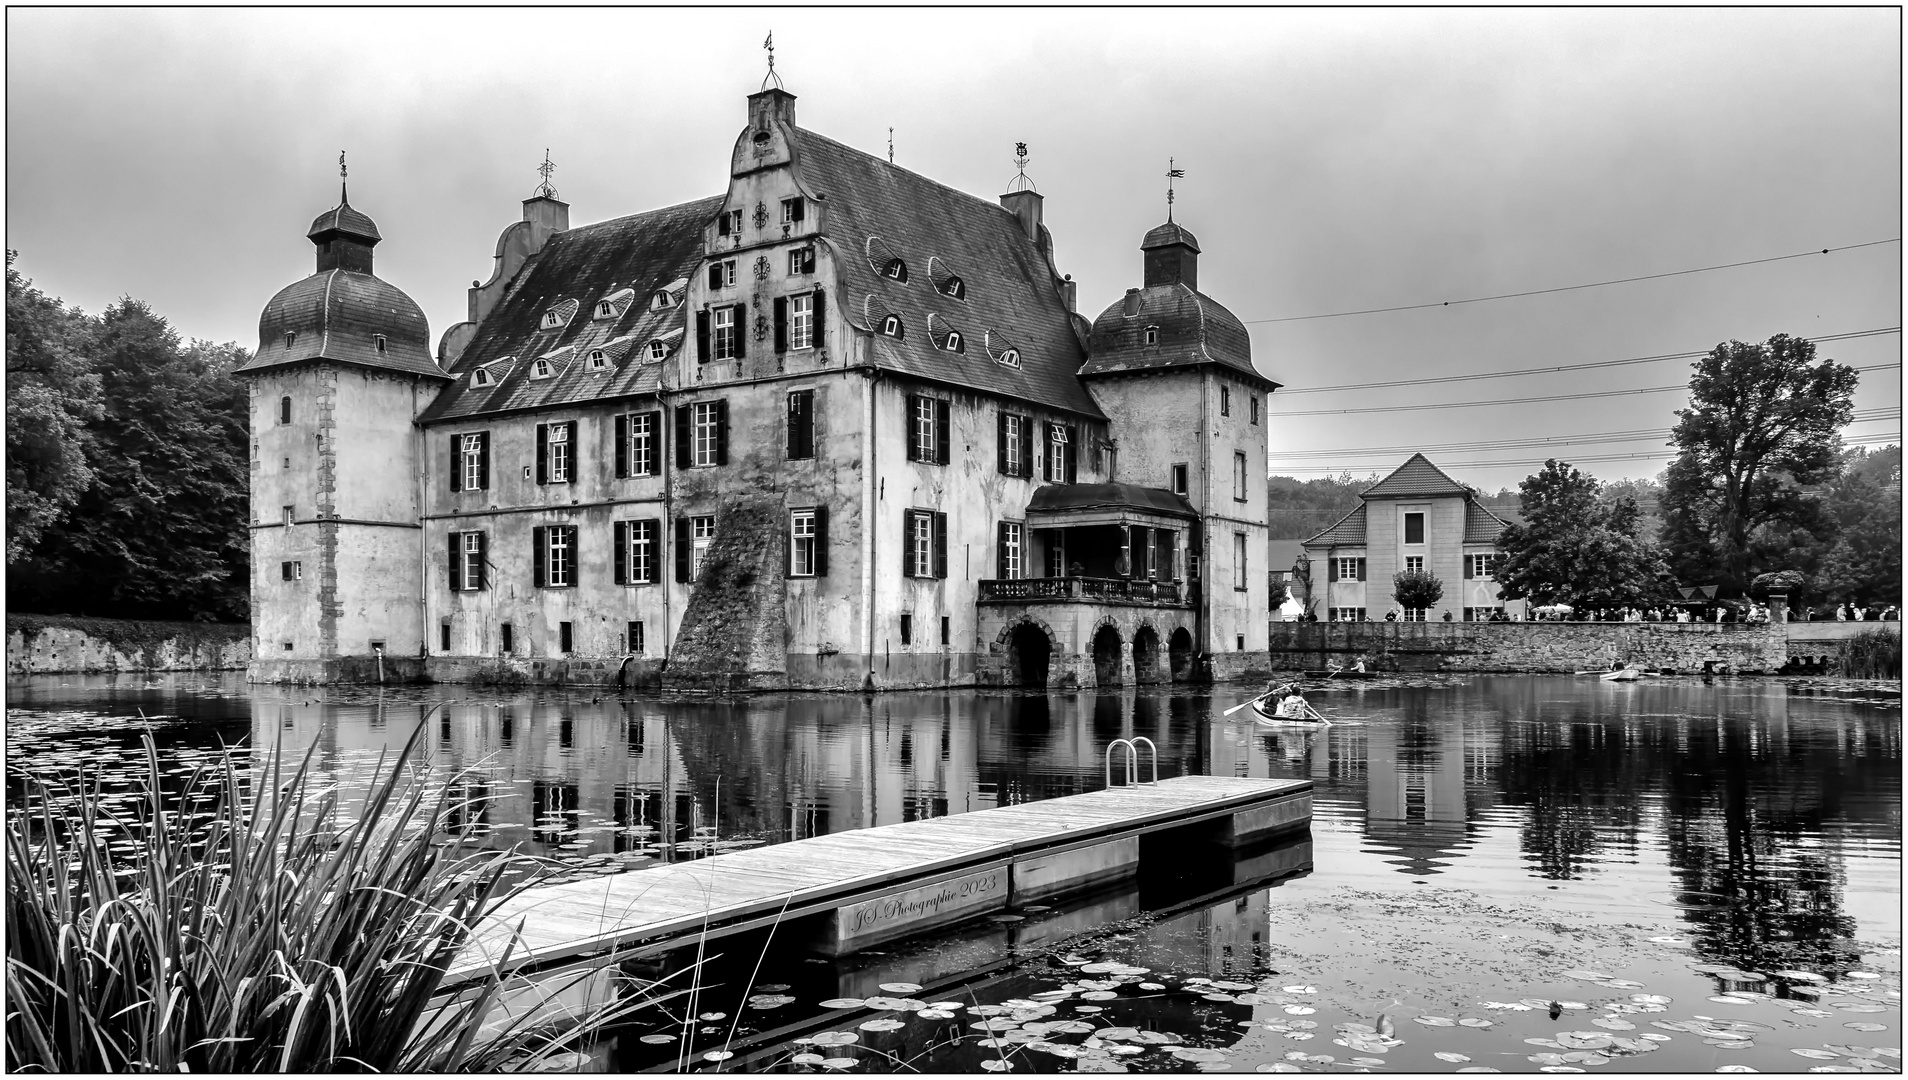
[{"x": 1503, "y": 872}]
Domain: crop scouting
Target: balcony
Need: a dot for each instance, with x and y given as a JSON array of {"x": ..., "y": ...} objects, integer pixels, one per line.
[{"x": 1086, "y": 590}]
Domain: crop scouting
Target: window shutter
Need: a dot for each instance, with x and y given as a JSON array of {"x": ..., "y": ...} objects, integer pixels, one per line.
[
  {"x": 722, "y": 223},
  {"x": 654, "y": 464},
  {"x": 652, "y": 528},
  {"x": 543, "y": 453},
  {"x": 940, "y": 544},
  {"x": 1027, "y": 443},
  {"x": 788, "y": 543},
  {"x": 907, "y": 543},
  {"x": 781, "y": 324},
  {"x": 1073, "y": 453},
  {"x": 741, "y": 331},
  {"x": 722, "y": 432},
  {"x": 483, "y": 562},
  {"x": 1361, "y": 569},
  {"x": 1000, "y": 549},
  {"x": 536, "y": 555},
  {"x": 810, "y": 267},
  {"x": 821, "y": 541},
  {"x": 622, "y": 447},
  {"x": 797, "y": 208},
  {"x": 483, "y": 460},
  {"x": 1000, "y": 443},
  {"x": 1467, "y": 567},
  {"x": 576, "y": 561},
  {"x": 702, "y": 336},
  {"x": 683, "y": 444},
  {"x": 456, "y": 561},
  {"x": 621, "y": 532},
  {"x": 576, "y": 453},
  {"x": 682, "y": 549},
  {"x": 941, "y": 426},
  {"x": 1167, "y": 568},
  {"x": 457, "y": 463},
  {"x": 914, "y": 445},
  {"x": 715, "y": 270}
]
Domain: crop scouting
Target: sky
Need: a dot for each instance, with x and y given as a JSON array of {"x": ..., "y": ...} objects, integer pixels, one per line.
[{"x": 1335, "y": 160}]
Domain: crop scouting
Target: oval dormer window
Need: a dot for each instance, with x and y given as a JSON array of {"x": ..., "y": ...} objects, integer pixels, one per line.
[
  {"x": 480, "y": 377},
  {"x": 551, "y": 320},
  {"x": 1010, "y": 357},
  {"x": 891, "y": 326},
  {"x": 605, "y": 310},
  {"x": 540, "y": 369},
  {"x": 598, "y": 360},
  {"x": 955, "y": 288},
  {"x": 291, "y": 338},
  {"x": 661, "y": 300},
  {"x": 658, "y": 350},
  {"x": 955, "y": 342},
  {"x": 1152, "y": 335},
  {"x": 896, "y": 269}
]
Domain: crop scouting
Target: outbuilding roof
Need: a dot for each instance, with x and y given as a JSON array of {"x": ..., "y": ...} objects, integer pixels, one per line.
[
  {"x": 1347, "y": 531},
  {"x": 1480, "y": 525},
  {"x": 1059, "y": 497},
  {"x": 1416, "y": 477}
]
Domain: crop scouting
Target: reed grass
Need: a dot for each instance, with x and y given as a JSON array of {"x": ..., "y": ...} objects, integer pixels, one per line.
[
  {"x": 1870, "y": 654},
  {"x": 273, "y": 935}
]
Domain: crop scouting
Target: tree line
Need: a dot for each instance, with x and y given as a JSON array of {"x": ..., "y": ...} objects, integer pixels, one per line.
[{"x": 127, "y": 485}]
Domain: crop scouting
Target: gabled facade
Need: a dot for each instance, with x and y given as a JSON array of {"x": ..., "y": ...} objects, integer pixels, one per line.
[
  {"x": 1417, "y": 518},
  {"x": 814, "y": 431}
]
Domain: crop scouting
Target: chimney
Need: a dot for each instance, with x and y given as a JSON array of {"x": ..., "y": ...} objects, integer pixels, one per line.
[
  {"x": 771, "y": 106},
  {"x": 547, "y": 215},
  {"x": 1130, "y": 306},
  {"x": 1025, "y": 205},
  {"x": 1070, "y": 293}
]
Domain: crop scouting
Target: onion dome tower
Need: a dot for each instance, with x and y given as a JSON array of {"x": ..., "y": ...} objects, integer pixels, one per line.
[{"x": 343, "y": 368}]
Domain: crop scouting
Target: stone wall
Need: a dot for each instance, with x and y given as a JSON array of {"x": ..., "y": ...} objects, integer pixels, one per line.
[
  {"x": 49, "y": 645},
  {"x": 1530, "y": 646}
]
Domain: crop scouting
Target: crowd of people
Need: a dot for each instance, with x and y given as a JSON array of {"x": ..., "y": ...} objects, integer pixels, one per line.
[{"x": 1681, "y": 613}]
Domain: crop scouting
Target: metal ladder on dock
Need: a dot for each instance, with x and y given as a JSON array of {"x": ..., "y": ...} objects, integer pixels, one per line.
[{"x": 1132, "y": 760}]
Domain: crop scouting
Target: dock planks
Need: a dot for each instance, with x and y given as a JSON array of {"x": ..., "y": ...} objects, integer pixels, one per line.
[{"x": 662, "y": 906}]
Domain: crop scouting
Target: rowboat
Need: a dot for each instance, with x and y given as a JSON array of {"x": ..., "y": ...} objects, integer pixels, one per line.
[
  {"x": 1269, "y": 717},
  {"x": 1343, "y": 673},
  {"x": 1628, "y": 674}
]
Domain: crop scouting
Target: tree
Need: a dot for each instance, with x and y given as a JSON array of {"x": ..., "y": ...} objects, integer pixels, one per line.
[
  {"x": 1416, "y": 590},
  {"x": 51, "y": 396},
  {"x": 1277, "y": 596},
  {"x": 1764, "y": 422},
  {"x": 1863, "y": 563},
  {"x": 1575, "y": 548}
]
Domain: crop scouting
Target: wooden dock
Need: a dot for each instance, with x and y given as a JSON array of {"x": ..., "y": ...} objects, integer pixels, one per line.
[{"x": 851, "y": 890}]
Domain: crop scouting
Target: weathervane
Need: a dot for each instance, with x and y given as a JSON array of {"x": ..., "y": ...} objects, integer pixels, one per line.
[
  {"x": 769, "y": 44},
  {"x": 544, "y": 190},
  {"x": 890, "y": 146},
  {"x": 341, "y": 178},
  {"x": 1025, "y": 181},
  {"x": 1171, "y": 175}
]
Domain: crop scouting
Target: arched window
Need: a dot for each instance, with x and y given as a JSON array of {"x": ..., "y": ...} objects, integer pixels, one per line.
[
  {"x": 955, "y": 343},
  {"x": 541, "y": 369},
  {"x": 1152, "y": 335},
  {"x": 896, "y": 269},
  {"x": 480, "y": 377},
  {"x": 1010, "y": 357},
  {"x": 955, "y": 288},
  {"x": 291, "y": 338},
  {"x": 661, "y": 300},
  {"x": 284, "y": 410},
  {"x": 891, "y": 326},
  {"x": 658, "y": 349},
  {"x": 598, "y": 360}
]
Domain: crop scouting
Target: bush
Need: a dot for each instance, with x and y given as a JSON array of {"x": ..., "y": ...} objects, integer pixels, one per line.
[
  {"x": 275, "y": 936},
  {"x": 1416, "y": 589},
  {"x": 1871, "y": 654}
]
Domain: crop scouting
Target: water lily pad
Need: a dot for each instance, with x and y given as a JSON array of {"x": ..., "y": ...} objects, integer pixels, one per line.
[
  {"x": 1859, "y": 1008},
  {"x": 1818, "y": 1055},
  {"x": 1859, "y": 1025},
  {"x": 718, "y": 1055},
  {"x": 1595, "y": 1059},
  {"x": 1583, "y": 1040},
  {"x": 770, "y": 1001},
  {"x": 1435, "y": 1021},
  {"x": 1591, "y": 976},
  {"x": 1232, "y": 986},
  {"x": 1860, "y": 975},
  {"x": 997, "y": 1023},
  {"x": 997, "y": 1065},
  {"x": 1731, "y": 1044},
  {"x": 1300, "y": 1010},
  {"x": 838, "y": 1063},
  {"x": 713, "y": 1016},
  {"x": 1477, "y": 1069},
  {"x": 947, "y": 1006},
  {"x": 935, "y": 1014},
  {"x": 1734, "y": 1068},
  {"x": 1539, "y": 1041},
  {"x": 834, "y": 1038},
  {"x": 806, "y": 1059},
  {"x": 903, "y": 989},
  {"x": 880, "y": 1025},
  {"x": 1299, "y": 989},
  {"x": 1276, "y": 1066},
  {"x": 891, "y": 1004},
  {"x": 1087, "y": 1009},
  {"x": 1799, "y": 976},
  {"x": 1189, "y": 1053},
  {"x": 1071, "y": 1027},
  {"x": 1474, "y": 1022},
  {"x": 1448, "y": 1055},
  {"x": 1613, "y": 1024},
  {"x": 1098, "y": 995},
  {"x": 1152, "y": 986},
  {"x": 657, "y": 1039}
]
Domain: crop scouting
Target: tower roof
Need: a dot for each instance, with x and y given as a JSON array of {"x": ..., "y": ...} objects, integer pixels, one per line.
[
  {"x": 346, "y": 220},
  {"x": 1417, "y": 476},
  {"x": 1188, "y": 329},
  {"x": 347, "y": 317},
  {"x": 1168, "y": 234}
]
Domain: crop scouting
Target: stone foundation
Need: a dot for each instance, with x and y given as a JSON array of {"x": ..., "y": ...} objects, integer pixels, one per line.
[
  {"x": 38, "y": 645},
  {"x": 1531, "y": 646}
]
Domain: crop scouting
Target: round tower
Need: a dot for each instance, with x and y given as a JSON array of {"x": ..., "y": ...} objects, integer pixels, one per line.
[{"x": 343, "y": 368}]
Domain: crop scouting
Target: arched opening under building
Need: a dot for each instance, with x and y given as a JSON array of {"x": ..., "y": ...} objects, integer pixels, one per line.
[
  {"x": 1145, "y": 655},
  {"x": 1179, "y": 651},
  {"x": 1106, "y": 656},
  {"x": 1028, "y": 652}
]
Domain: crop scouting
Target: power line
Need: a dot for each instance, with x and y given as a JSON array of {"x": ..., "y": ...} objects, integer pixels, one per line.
[
  {"x": 1572, "y": 288},
  {"x": 1892, "y": 437},
  {"x": 1287, "y": 392},
  {"x": 1632, "y": 435},
  {"x": 1525, "y": 400}
]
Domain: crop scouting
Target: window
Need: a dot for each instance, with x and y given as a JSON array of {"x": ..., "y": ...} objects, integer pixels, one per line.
[
  {"x": 1180, "y": 485},
  {"x": 598, "y": 360},
  {"x": 801, "y": 543},
  {"x": 287, "y": 463},
  {"x": 955, "y": 343},
  {"x": 1238, "y": 562},
  {"x": 801, "y": 260},
  {"x": 1481, "y": 565},
  {"x": 1056, "y": 554},
  {"x": 1062, "y": 458},
  {"x": 554, "y": 452},
  {"x": 291, "y": 338},
  {"x": 801, "y": 322},
  {"x": 892, "y": 327},
  {"x": 541, "y": 369},
  {"x": 284, "y": 410},
  {"x": 896, "y": 269},
  {"x": 291, "y": 571},
  {"x": 566, "y": 637},
  {"x": 1415, "y": 614},
  {"x": 1348, "y": 614},
  {"x": 705, "y": 427},
  {"x": 636, "y": 445},
  {"x": 1254, "y": 401},
  {"x": 1010, "y": 357},
  {"x": 480, "y": 377},
  {"x": 1012, "y": 561},
  {"x": 793, "y": 210},
  {"x": 1414, "y": 528},
  {"x": 701, "y": 535},
  {"x": 1225, "y": 401},
  {"x": 633, "y": 638},
  {"x": 661, "y": 300},
  {"x": 554, "y": 555},
  {"x": 378, "y": 339},
  {"x": 1348, "y": 569},
  {"x": 801, "y": 425},
  {"x": 907, "y": 628},
  {"x": 1481, "y": 614},
  {"x": 947, "y": 629},
  {"x": 552, "y": 320},
  {"x": 636, "y": 551},
  {"x": 729, "y": 223},
  {"x": 444, "y": 636},
  {"x": 1238, "y": 476},
  {"x": 724, "y": 334},
  {"x": 470, "y": 461},
  {"x": 1152, "y": 335},
  {"x": 722, "y": 274},
  {"x": 928, "y": 422},
  {"x": 467, "y": 561},
  {"x": 658, "y": 349},
  {"x": 1414, "y": 564},
  {"x": 605, "y": 309},
  {"x": 1015, "y": 455},
  {"x": 288, "y": 514},
  {"x": 954, "y": 287},
  {"x": 507, "y": 639},
  {"x": 924, "y": 544}
]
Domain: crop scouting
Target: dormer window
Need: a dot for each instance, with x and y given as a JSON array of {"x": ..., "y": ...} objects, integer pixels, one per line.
[
  {"x": 1152, "y": 335},
  {"x": 605, "y": 310},
  {"x": 379, "y": 340},
  {"x": 896, "y": 269},
  {"x": 598, "y": 360},
  {"x": 291, "y": 338},
  {"x": 793, "y": 210},
  {"x": 955, "y": 288},
  {"x": 891, "y": 326},
  {"x": 661, "y": 300},
  {"x": 541, "y": 369},
  {"x": 955, "y": 343},
  {"x": 551, "y": 320},
  {"x": 1010, "y": 357},
  {"x": 658, "y": 349},
  {"x": 480, "y": 377}
]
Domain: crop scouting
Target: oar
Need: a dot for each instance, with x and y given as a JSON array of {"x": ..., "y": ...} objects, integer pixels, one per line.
[
  {"x": 1236, "y": 708},
  {"x": 1316, "y": 715}
]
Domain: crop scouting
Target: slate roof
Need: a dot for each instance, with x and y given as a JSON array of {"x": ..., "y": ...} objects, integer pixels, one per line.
[
  {"x": 1417, "y": 476},
  {"x": 1167, "y": 234},
  {"x": 337, "y": 315},
  {"x": 1349, "y": 531},
  {"x": 1012, "y": 298},
  {"x": 575, "y": 269},
  {"x": 1052, "y": 497},
  {"x": 1480, "y": 525},
  {"x": 1194, "y": 329},
  {"x": 342, "y": 218}
]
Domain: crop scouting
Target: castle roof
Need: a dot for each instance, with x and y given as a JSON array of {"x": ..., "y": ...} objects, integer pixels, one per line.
[
  {"x": 1169, "y": 233},
  {"x": 344, "y": 219},
  {"x": 340, "y": 315},
  {"x": 627, "y": 260},
  {"x": 1192, "y": 328},
  {"x": 1416, "y": 477},
  {"x": 876, "y": 210}
]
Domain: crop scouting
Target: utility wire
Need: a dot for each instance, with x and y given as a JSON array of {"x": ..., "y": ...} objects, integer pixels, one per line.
[
  {"x": 1892, "y": 437},
  {"x": 1572, "y": 288},
  {"x": 1632, "y": 435},
  {"x": 1524, "y": 400},
  {"x": 1288, "y": 392}
]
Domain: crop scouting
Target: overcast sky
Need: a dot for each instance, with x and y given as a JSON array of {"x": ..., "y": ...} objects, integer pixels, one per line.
[{"x": 1335, "y": 160}]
